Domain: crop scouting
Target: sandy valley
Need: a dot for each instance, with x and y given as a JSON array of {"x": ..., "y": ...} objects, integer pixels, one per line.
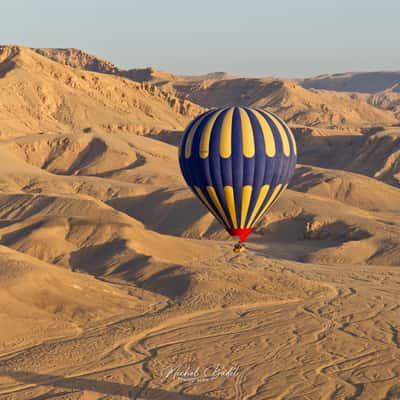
[{"x": 116, "y": 283}]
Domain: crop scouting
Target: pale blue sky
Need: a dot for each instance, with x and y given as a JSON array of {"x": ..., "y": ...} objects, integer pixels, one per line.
[{"x": 290, "y": 38}]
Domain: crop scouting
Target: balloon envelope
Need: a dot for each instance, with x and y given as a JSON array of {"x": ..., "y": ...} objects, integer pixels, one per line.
[{"x": 237, "y": 161}]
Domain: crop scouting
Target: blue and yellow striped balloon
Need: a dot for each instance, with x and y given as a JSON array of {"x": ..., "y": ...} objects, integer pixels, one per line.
[{"x": 238, "y": 161}]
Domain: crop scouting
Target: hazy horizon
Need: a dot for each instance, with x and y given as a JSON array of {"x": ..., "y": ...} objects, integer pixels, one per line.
[{"x": 253, "y": 39}]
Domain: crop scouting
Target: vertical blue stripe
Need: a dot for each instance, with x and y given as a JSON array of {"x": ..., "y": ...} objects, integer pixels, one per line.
[
  {"x": 187, "y": 172},
  {"x": 237, "y": 160}
]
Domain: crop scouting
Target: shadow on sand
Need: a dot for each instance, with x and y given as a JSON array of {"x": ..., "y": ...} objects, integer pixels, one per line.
[{"x": 103, "y": 387}]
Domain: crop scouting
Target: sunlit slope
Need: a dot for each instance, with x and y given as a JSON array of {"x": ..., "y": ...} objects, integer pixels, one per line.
[{"x": 38, "y": 94}]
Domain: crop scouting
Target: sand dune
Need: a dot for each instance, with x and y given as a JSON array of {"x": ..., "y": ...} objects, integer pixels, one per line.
[
  {"x": 74, "y": 154},
  {"x": 112, "y": 274},
  {"x": 40, "y": 301}
]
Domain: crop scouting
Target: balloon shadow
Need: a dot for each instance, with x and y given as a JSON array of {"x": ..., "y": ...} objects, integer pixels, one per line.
[{"x": 103, "y": 387}]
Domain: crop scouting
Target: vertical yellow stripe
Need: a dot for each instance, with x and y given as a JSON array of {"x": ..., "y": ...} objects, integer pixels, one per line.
[
  {"x": 206, "y": 134},
  {"x": 189, "y": 141},
  {"x": 282, "y": 133},
  {"x": 247, "y": 134},
  {"x": 225, "y": 144},
  {"x": 230, "y": 202},
  {"x": 208, "y": 205},
  {"x": 270, "y": 148},
  {"x": 246, "y": 196},
  {"x": 290, "y": 133},
  {"x": 217, "y": 204},
  {"x": 261, "y": 197},
  {"x": 270, "y": 202}
]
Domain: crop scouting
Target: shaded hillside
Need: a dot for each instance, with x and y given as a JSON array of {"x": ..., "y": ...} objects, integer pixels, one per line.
[
  {"x": 363, "y": 82},
  {"x": 376, "y": 154},
  {"x": 294, "y": 103},
  {"x": 387, "y": 99},
  {"x": 382, "y": 88},
  {"x": 291, "y": 101}
]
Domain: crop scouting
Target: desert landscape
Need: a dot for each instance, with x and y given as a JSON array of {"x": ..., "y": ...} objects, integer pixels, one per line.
[{"x": 116, "y": 282}]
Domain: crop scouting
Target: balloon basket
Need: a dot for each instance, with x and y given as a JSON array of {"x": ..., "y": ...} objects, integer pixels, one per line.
[{"x": 239, "y": 248}]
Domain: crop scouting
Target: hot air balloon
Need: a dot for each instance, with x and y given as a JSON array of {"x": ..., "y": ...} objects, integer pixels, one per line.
[{"x": 238, "y": 161}]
